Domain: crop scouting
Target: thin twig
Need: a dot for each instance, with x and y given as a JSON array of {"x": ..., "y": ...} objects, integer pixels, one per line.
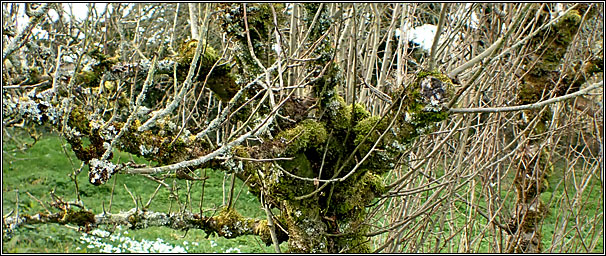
[
  {"x": 24, "y": 34},
  {"x": 111, "y": 195},
  {"x": 256, "y": 159},
  {"x": 527, "y": 106},
  {"x": 436, "y": 38},
  {"x": 140, "y": 98},
  {"x": 131, "y": 196},
  {"x": 271, "y": 226},
  {"x": 152, "y": 197},
  {"x": 500, "y": 44},
  {"x": 38, "y": 200}
]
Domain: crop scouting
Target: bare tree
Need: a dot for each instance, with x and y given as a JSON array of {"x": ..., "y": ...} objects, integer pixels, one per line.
[{"x": 332, "y": 115}]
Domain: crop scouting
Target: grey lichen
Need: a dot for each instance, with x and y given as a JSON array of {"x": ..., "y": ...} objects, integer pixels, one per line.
[{"x": 101, "y": 170}]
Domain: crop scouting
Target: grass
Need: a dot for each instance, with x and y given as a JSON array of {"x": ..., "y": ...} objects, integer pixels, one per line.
[
  {"x": 45, "y": 167},
  {"x": 558, "y": 198}
]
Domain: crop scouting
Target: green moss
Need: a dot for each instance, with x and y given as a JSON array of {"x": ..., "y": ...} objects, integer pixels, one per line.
[
  {"x": 326, "y": 86},
  {"x": 419, "y": 112},
  {"x": 355, "y": 243},
  {"x": 104, "y": 62},
  {"x": 305, "y": 226},
  {"x": 91, "y": 78},
  {"x": 447, "y": 83},
  {"x": 364, "y": 126},
  {"x": 567, "y": 27},
  {"x": 594, "y": 65},
  {"x": 375, "y": 183},
  {"x": 528, "y": 94},
  {"x": 424, "y": 118},
  {"x": 262, "y": 230},
  {"x": 80, "y": 218},
  {"x": 260, "y": 24},
  {"x": 240, "y": 151},
  {"x": 551, "y": 45},
  {"x": 299, "y": 166},
  {"x": 224, "y": 86},
  {"x": 87, "y": 79},
  {"x": 158, "y": 144},
  {"x": 36, "y": 75},
  {"x": 323, "y": 23},
  {"x": 286, "y": 187},
  {"x": 340, "y": 118},
  {"x": 221, "y": 81},
  {"x": 79, "y": 121},
  {"x": 350, "y": 200},
  {"x": 228, "y": 217},
  {"x": 435, "y": 73},
  {"x": 338, "y": 114},
  {"x": 307, "y": 134},
  {"x": 360, "y": 112},
  {"x": 356, "y": 193},
  {"x": 187, "y": 51},
  {"x": 134, "y": 220}
]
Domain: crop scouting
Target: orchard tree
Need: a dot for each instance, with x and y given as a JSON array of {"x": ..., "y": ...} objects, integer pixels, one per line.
[{"x": 359, "y": 127}]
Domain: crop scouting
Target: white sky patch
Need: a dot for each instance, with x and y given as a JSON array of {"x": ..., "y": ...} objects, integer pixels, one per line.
[
  {"x": 68, "y": 59},
  {"x": 80, "y": 11},
  {"x": 422, "y": 35},
  {"x": 39, "y": 33},
  {"x": 53, "y": 14},
  {"x": 558, "y": 10},
  {"x": 474, "y": 22},
  {"x": 559, "y": 7},
  {"x": 128, "y": 9},
  {"x": 22, "y": 19},
  {"x": 289, "y": 7},
  {"x": 276, "y": 48}
]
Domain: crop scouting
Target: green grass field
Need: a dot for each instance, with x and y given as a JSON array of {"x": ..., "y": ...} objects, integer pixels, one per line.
[
  {"x": 558, "y": 198},
  {"x": 45, "y": 167}
]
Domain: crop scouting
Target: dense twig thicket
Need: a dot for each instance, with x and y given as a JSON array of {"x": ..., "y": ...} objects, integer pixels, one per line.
[{"x": 355, "y": 135}]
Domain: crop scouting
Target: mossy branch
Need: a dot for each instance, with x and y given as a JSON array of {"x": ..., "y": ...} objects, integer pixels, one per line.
[
  {"x": 148, "y": 81},
  {"x": 226, "y": 223},
  {"x": 184, "y": 88}
]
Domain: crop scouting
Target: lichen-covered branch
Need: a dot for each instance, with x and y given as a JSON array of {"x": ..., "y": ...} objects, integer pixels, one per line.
[
  {"x": 35, "y": 18},
  {"x": 226, "y": 222},
  {"x": 186, "y": 84}
]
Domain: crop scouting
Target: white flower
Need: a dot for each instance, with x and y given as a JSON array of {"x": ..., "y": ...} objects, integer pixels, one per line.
[{"x": 230, "y": 250}]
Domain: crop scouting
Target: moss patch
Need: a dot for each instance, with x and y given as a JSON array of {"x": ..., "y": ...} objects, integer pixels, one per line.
[
  {"x": 80, "y": 218},
  {"x": 307, "y": 134},
  {"x": 221, "y": 81}
]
